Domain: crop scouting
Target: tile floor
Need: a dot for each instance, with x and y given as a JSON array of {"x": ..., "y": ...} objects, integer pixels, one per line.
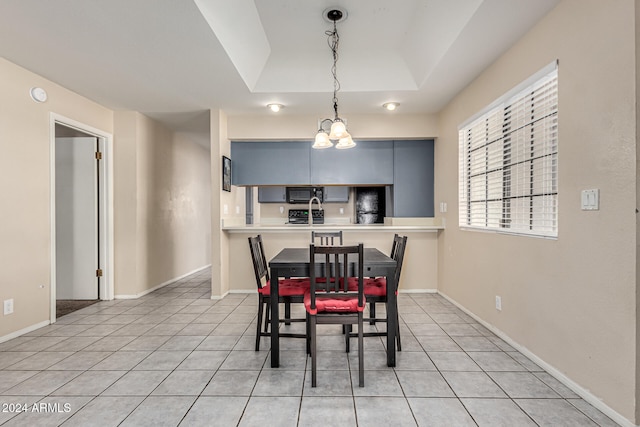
[{"x": 175, "y": 357}]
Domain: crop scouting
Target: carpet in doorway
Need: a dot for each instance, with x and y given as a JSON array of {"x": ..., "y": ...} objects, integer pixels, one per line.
[{"x": 66, "y": 306}]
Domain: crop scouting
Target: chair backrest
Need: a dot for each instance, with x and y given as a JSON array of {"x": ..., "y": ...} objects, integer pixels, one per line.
[
  {"x": 329, "y": 273},
  {"x": 397, "y": 253},
  {"x": 259, "y": 261},
  {"x": 326, "y": 238}
]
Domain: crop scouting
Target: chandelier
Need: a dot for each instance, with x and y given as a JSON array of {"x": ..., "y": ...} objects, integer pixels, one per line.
[{"x": 338, "y": 131}]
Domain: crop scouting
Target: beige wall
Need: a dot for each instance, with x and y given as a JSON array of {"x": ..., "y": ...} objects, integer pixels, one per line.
[
  {"x": 571, "y": 301},
  {"x": 228, "y": 206},
  {"x": 378, "y": 126},
  {"x": 637, "y": 93},
  {"x": 162, "y": 204},
  {"x": 25, "y": 222},
  {"x": 125, "y": 204},
  {"x": 331, "y": 211}
]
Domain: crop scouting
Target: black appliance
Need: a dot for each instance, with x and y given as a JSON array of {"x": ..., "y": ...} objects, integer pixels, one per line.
[
  {"x": 301, "y": 216},
  {"x": 296, "y": 195},
  {"x": 370, "y": 205}
]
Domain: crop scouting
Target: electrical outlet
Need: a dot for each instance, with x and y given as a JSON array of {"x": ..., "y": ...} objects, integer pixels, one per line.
[
  {"x": 498, "y": 303},
  {"x": 8, "y": 306}
]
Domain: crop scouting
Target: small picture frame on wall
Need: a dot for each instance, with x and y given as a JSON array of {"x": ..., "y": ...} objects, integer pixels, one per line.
[{"x": 226, "y": 173}]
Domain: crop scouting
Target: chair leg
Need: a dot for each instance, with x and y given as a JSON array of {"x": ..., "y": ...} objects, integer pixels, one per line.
[
  {"x": 313, "y": 350},
  {"x": 360, "y": 351},
  {"x": 346, "y": 338},
  {"x": 308, "y": 339},
  {"x": 398, "y": 330},
  {"x": 372, "y": 313},
  {"x": 287, "y": 313},
  {"x": 259, "y": 322},
  {"x": 267, "y": 318}
]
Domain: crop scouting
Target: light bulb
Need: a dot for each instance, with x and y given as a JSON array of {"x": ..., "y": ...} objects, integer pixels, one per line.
[
  {"x": 322, "y": 141},
  {"x": 338, "y": 129},
  {"x": 345, "y": 143}
]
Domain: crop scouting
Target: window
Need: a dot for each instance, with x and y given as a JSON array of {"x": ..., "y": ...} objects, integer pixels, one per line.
[{"x": 508, "y": 172}]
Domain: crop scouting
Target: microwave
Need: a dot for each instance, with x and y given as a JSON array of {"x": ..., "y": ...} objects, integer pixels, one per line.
[{"x": 297, "y": 195}]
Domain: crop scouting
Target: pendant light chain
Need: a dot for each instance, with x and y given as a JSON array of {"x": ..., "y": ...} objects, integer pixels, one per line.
[
  {"x": 333, "y": 41},
  {"x": 338, "y": 130}
]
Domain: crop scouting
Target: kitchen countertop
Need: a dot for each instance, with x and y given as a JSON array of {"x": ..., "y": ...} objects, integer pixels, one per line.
[{"x": 265, "y": 228}]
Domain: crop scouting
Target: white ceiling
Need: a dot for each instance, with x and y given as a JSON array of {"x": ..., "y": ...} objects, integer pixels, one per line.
[{"x": 174, "y": 59}]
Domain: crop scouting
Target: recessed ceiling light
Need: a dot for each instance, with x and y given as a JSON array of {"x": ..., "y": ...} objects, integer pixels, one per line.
[
  {"x": 390, "y": 105},
  {"x": 275, "y": 107}
]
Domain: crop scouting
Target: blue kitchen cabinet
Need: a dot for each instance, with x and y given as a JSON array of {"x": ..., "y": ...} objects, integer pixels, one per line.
[
  {"x": 270, "y": 162},
  {"x": 336, "y": 194},
  {"x": 272, "y": 194},
  {"x": 369, "y": 163},
  {"x": 413, "y": 178}
]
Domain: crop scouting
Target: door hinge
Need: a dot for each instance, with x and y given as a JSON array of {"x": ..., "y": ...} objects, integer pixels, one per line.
[
  {"x": 99, "y": 272},
  {"x": 98, "y": 155}
]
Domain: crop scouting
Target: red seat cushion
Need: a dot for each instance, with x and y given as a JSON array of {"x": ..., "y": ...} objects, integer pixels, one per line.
[
  {"x": 324, "y": 279},
  {"x": 332, "y": 304},
  {"x": 376, "y": 286},
  {"x": 288, "y": 287}
]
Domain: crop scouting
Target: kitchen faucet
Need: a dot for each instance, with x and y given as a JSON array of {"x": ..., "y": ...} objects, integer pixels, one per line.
[{"x": 310, "y": 211}]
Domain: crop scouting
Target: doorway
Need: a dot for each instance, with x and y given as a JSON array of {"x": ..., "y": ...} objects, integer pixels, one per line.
[{"x": 80, "y": 218}]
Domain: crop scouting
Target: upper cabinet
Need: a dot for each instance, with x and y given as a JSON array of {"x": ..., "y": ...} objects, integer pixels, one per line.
[
  {"x": 270, "y": 162},
  {"x": 408, "y": 165},
  {"x": 278, "y": 194},
  {"x": 336, "y": 194},
  {"x": 296, "y": 163},
  {"x": 368, "y": 163},
  {"x": 272, "y": 194},
  {"x": 413, "y": 178}
]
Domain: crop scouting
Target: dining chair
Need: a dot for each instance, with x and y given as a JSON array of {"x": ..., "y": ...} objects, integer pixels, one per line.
[
  {"x": 326, "y": 238},
  {"x": 375, "y": 289},
  {"x": 289, "y": 291},
  {"x": 331, "y": 301}
]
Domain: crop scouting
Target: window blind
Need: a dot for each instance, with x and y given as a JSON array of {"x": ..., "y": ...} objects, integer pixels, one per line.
[{"x": 508, "y": 157}]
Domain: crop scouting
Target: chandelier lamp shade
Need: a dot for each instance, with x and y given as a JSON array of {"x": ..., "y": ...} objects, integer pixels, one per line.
[{"x": 338, "y": 130}]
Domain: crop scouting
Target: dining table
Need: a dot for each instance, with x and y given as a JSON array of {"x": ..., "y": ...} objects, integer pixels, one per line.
[{"x": 295, "y": 262}]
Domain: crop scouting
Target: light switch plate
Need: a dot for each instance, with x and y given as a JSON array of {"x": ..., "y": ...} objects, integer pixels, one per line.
[{"x": 590, "y": 200}]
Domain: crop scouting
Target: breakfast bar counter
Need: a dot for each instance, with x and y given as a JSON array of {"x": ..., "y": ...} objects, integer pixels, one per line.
[
  {"x": 420, "y": 267},
  {"x": 297, "y": 228}
]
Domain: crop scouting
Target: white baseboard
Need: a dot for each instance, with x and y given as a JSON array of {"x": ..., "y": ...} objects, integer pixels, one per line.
[
  {"x": 219, "y": 297},
  {"x": 418, "y": 291},
  {"x": 576, "y": 388},
  {"x": 26, "y": 330},
  {"x": 161, "y": 285}
]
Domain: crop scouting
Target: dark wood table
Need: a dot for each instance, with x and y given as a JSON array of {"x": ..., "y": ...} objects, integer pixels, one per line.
[{"x": 294, "y": 262}]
